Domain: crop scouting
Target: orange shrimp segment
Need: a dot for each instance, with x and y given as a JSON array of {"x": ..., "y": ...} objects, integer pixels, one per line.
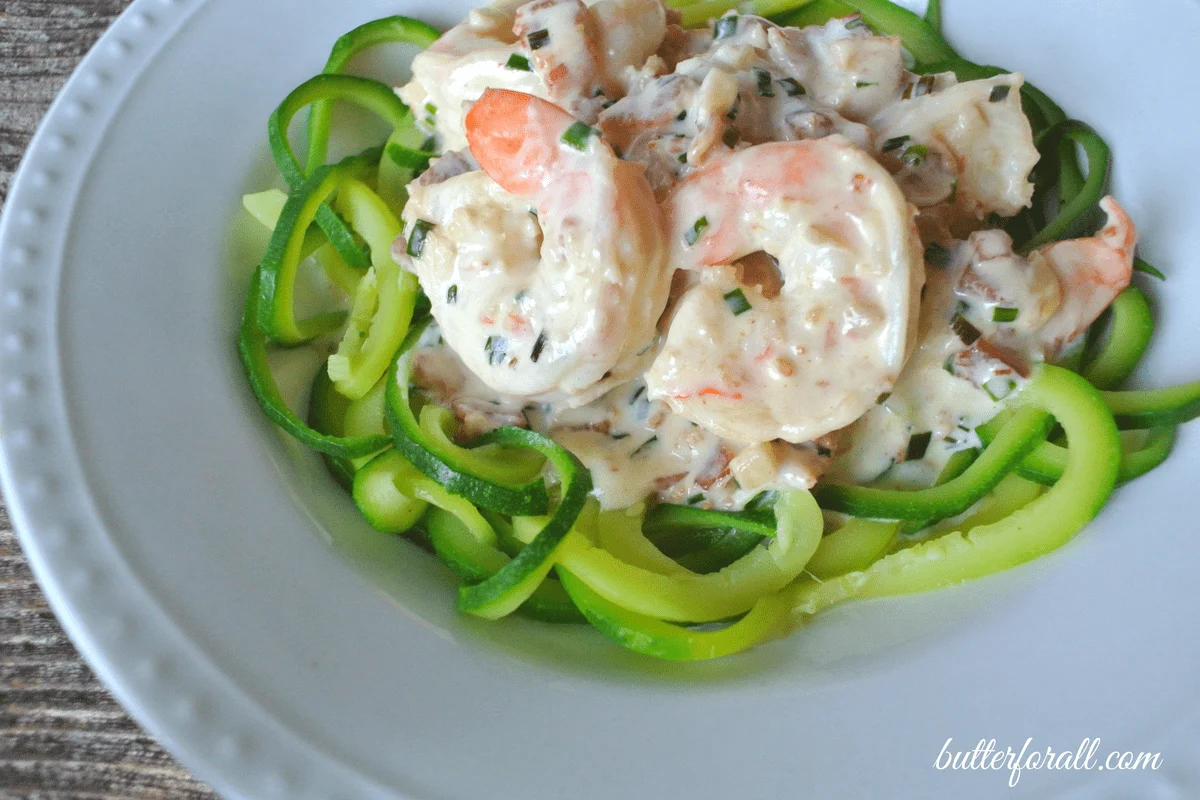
[
  {"x": 815, "y": 355},
  {"x": 557, "y": 305},
  {"x": 1091, "y": 272},
  {"x": 517, "y": 139}
]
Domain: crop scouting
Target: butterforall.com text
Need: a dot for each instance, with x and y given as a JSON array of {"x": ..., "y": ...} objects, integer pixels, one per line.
[{"x": 986, "y": 756}]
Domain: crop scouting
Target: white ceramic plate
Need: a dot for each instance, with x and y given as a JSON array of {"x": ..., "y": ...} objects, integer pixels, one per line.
[{"x": 234, "y": 602}]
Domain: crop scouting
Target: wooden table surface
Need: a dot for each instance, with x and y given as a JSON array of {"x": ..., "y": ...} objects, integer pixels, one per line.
[{"x": 61, "y": 733}]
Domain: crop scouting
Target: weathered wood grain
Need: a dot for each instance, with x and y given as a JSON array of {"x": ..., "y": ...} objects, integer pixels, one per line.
[{"x": 61, "y": 734}]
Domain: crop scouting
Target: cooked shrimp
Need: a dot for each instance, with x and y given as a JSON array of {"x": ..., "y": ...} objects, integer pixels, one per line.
[
  {"x": 949, "y": 385},
  {"x": 1092, "y": 272},
  {"x": 547, "y": 271},
  {"x": 461, "y": 64},
  {"x": 583, "y": 54},
  {"x": 964, "y": 148},
  {"x": 814, "y": 358},
  {"x": 755, "y": 82},
  {"x": 579, "y": 57}
]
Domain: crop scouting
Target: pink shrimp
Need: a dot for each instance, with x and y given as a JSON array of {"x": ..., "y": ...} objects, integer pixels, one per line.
[
  {"x": 1091, "y": 272},
  {"x": 586, "y": 277},
  {"x": 841, "y": 325}
]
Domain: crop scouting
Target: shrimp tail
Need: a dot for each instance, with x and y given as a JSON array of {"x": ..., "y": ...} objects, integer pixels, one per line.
[{"x": 515, "y": 137}]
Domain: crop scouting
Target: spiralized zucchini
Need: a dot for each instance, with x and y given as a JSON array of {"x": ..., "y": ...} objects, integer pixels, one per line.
[{"x": 510, "y": 514}]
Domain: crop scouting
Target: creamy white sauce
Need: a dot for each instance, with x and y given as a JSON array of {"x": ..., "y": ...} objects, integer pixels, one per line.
[{"x": 675, "y": 101}]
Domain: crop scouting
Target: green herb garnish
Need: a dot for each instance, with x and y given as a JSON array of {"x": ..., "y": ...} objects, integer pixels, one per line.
[
  {"x": 737, "y": 302},
  {"x": 762, "y": 79},
  {"x": 725, "y": 26},
  {"x": 578, "y": 134},
  {"x": 416, "y": 239},
  {"x": 918, "y": 445},
  {"x": 693, "y": 235},
  {"x": 518, "y": 61}
]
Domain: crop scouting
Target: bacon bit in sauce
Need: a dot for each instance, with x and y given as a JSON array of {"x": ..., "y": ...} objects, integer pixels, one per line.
[
  {"x": 716, "y": 470},
  {"x": 1013, "y": 360},
  {"x": 667, "y": 481}
]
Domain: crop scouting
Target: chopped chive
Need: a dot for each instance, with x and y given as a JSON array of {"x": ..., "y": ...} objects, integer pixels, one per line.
[
  {"x": 578, "y": 134},
  {"x": 865, "y": 84},
  {"x": 452, "y": 294},
  {"x": 855, "y": 21},
  {"x": 895, "y": 143},
  {"x": 921, "y": 87},
  {"x": 682, "y": 158},
  {"x": 965, "y": 330},
  {"x": 999, "y": 388},
  {"x": 731, "y": 137},
  {"x": 640, "y": 391},
  {"x": 936, "y": 255},
  {"x": 737, "y": 302},
  {"x": 431, "y": 109},
  {"x": 883, "y": 398},
  {"x": 1002, "y": 314},
  {"x": 953, "y": 191},
  {"x": 692, "y": 236},
  {"x": 416, "y": 239},
  {"x": 518, "y": 61},
  {"x": 792, "y": 87},
  {"x": 918, "y": 445},
  {"x": 999, "y": 93},
  {"x": 762, "y": 79},
  {"x": 948, "y": 364},
  {"x": 496, "y": 348},
  {"x": 644, "y": 445},
  {"x": 538, "y": 346},
  {"x": 915, "y": 155},
  {"x": 696, "y": 498},
  {"x": 681, "y": 116},
  {"x": 538, "y": 39},
  {"x": 725, "y": 27}
]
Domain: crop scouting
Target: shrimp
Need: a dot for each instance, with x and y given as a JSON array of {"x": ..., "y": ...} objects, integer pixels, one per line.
[
  {"x": 577, "y": 56},
  {"x": 464, "y": 61},
  {"x": 814, "y": 358},
  {"x": 583, "y": 54},
  {"x": 754, "y": 82},
  {"x": 546, "y": 271},
  {"x": 961, "y": 150},
  {"x": 1092, "y": 272}
]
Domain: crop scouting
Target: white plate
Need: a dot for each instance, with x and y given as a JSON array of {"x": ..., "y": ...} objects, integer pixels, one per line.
[{"x": 234, "y": 602}]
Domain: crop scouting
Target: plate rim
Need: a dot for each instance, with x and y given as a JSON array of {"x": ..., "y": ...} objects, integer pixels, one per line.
[
  {"x": 33, "y": 392},
  {"x": 153, "y": 669}
]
